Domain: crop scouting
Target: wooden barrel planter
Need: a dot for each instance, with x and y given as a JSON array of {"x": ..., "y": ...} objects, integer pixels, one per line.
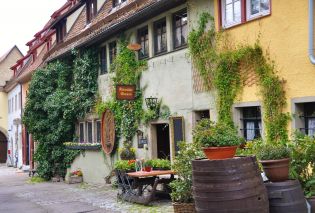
[
  {"x": 286, "y": 197},
  {"x": 232, "y": 185}
]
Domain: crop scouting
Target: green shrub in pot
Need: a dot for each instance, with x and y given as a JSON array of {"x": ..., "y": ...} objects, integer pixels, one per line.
[
  {"x": 161, "y": 164},
  {"x": 218, "y": 140},
  {"x": 273, "y": 152}
]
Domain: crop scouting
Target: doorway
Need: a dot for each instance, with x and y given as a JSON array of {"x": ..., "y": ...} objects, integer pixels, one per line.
[
  {"x": 3, "y": 148},
  {"x": 163, "y": 141}
]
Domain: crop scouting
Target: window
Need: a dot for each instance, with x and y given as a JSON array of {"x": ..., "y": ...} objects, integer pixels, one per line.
[
  {"x": 91, "y": 10},
  {"x": 143, "y": 39},
  {"x": 256, "y": 8},
  {"x": 112, "y": 51},
  {"x": 16, "y": 102},
  {"x": 20, "y": 100},
  {"x": 9, "y": 105},
  {"x": 234, "y": 12},
  {"x": 118, "y": 2},
  {"x": 251, "y": 122},
  {"x": 309, "y": 119},
  {"x": 160, "y": 42},
  {"x": 89, "y": 132},
  {"x": 61, "y": 31},
  {"x": 12, "y": 105},
  {"x": 81, "y": 132},
  {"x": 202, "y": 114},
  {"x": 103, "y": 59},
  {"x": 98, "y": 131},
  {"x": 180, "y": 28},
  {"x": 231, "y": 12}
]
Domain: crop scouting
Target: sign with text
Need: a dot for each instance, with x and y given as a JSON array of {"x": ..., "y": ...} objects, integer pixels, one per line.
[{"x": 125, "y": 92}]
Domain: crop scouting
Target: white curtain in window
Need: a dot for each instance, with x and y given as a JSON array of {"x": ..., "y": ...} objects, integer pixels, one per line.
[
  {"x": 311, "y": 126},
  {"x": 250, "y": 131},
  {"x": 260, "y": 128}
]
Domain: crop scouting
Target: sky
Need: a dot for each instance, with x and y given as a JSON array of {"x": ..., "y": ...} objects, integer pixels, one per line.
[{"x": 21, "y": 19}]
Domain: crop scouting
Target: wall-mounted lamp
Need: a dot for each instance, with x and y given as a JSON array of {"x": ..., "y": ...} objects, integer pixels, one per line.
[{"x": 151, "y": 102}]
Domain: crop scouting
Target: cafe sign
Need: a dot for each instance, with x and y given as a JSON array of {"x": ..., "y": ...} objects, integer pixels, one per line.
[{"x": 125, "y": 92}]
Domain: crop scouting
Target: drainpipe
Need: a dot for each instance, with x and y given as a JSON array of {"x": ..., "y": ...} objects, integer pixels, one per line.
[{"x": 311, "y": 31}]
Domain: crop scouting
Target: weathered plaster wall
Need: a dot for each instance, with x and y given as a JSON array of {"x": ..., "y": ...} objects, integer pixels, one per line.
[
  {"x": 95, "y": 166},
  {"x": 285, "y": 35}
]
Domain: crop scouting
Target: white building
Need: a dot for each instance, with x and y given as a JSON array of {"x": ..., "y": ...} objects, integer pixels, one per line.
[{"x": 15, "y": 125}]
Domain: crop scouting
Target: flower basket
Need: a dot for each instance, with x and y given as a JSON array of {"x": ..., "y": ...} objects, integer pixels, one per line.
[
  {"x": 75, "y": 179},
  {"x": 184, "y": 207}
]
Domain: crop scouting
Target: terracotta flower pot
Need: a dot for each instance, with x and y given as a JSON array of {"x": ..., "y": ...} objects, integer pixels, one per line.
[
  {"x": 276, "y": 170},
  {"x": 218, "y": 153},
  {"x": 148, "y": 168}
]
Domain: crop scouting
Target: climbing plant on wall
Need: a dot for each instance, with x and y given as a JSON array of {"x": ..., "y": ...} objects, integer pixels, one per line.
[
  {"x": 218, "y": 62},
  {"x": 127, "y": 114},
  {"x": 58, "y": 95}
]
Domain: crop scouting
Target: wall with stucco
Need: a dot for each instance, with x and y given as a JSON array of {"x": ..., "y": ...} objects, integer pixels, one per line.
[
  {"x": 94, "y": 165},
  {"x": 285, "y": 35}
]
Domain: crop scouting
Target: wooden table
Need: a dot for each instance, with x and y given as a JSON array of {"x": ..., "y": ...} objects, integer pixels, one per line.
[{"x": 139, "y": 182}]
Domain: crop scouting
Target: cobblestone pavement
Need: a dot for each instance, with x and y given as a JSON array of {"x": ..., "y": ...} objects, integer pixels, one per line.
[{"x": 17, "y": 195}]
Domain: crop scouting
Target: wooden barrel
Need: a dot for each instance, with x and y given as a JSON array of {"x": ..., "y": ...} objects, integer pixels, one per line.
[
  {"x": 231, "y": 186},
  {"x": 286, "y": 197}
]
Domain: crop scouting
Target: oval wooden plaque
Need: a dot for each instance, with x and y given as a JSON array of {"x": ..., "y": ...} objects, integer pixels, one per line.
[{"x": 108, "y": 131}]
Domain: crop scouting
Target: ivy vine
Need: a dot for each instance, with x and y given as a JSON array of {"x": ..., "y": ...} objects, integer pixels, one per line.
[
  {"x": 218, "y": 62},
  {"x": 127, "y": 114},
  {"x": 59, "y": 94}
]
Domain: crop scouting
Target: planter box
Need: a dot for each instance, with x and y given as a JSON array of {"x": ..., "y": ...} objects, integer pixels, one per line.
[
  {"x": 75, "y": 179},
  {"x": 78, "y": 147}
]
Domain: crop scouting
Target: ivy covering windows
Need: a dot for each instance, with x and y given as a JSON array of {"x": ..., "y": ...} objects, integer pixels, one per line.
[
  {"x": 143, "y": 39},
  {"x": 91, "y": 10},
  {"x": 160, "y": 40},
  {"x": 251, "y": 122},
  {"x": 103, "y": 60},
  {"x": 180, "y": 28},
  {"x": 234, "y": 12}
]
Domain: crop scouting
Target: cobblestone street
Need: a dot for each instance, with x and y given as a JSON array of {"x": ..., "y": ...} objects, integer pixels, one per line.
[{"x": 17, "y": 195}]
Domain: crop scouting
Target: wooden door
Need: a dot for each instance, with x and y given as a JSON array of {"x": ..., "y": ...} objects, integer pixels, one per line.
[{"x": 3, "y": 148}]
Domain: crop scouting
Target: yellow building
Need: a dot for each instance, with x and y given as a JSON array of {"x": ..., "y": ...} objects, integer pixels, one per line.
[
  {"x": 283, "y": 27},
  {"x": 6, "y": 61}
]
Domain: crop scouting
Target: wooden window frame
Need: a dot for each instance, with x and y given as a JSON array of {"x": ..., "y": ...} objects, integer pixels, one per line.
[
  {"x": 156, "y": 25},
  {"x": 91, "y": 14},
  {"x": 112, "y": 51},
  {"x": 141, "y": 33},
  {"x": 182, "y": 44},
  {"x": 255, "y": 119},
  {"x": 80, "y": 141},
  {"x": 244, "y": 18},
  {"x": 103, "y": 60},
  {"x": 258, "y": 15},
  {"x": 100, "y": 131},
  {"x": 61, "y": 31},
  {"x": 89, "y": 135}
]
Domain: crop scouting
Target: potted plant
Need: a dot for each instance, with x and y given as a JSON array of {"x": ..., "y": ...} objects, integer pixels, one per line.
[
  {"x": 161, "y": 164},
  {"x": 218, "y": 140},
  {"x": 275, "y": 160},
  {"x": 147, "y": 165},
  {"x": 76, "y": 177},
  {"x": 182, "y": 195},
  {"x": 125, "y": 165}
]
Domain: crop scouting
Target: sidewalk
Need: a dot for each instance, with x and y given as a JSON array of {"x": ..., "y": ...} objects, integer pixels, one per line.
[{"x": 18, "y": 196}]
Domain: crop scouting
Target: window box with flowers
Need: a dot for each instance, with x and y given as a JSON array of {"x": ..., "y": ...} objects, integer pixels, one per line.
[{"x": 82, "y": 146}]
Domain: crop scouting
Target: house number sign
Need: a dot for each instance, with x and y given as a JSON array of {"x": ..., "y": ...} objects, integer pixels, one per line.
[{"x": 108, "y": 132}]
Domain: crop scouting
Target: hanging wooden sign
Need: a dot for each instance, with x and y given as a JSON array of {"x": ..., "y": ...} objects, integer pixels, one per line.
[
  {"x": 108, "y": 132},
  {"x": 125, "y": 92}
]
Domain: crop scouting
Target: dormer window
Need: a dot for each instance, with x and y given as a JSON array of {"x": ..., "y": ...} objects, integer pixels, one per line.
[
  {"x": 61, "y": 30},
  {"x": 91, "y": 10},
  {"x": 118, "y": 2}
]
